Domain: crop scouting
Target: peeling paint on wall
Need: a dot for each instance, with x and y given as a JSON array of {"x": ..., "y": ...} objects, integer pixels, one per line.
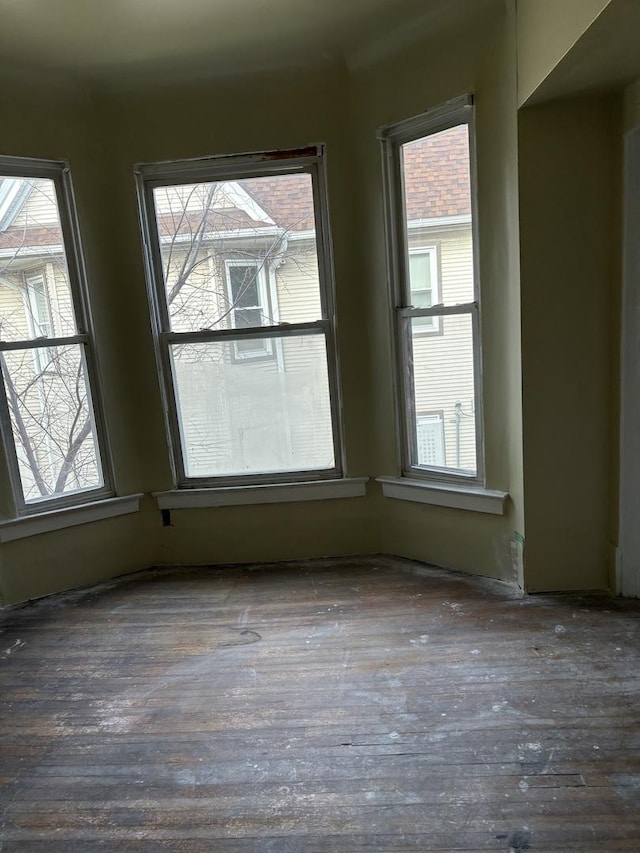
[{"x": 517, "y": 557}]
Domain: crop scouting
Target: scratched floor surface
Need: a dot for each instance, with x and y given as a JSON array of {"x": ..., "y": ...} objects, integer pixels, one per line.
[{"x": 363, "y": 704}]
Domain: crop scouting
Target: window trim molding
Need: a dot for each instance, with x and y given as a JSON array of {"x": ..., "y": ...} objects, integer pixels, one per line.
[
  {"x": 59, "y": 172},
  {"x": 59, "y": 519},
  {"x": 309, "y": 160},
  {"x": 392, "y": 137},
  {"x": 472, "y": 497},
  {"x": 265, "y": 493}
]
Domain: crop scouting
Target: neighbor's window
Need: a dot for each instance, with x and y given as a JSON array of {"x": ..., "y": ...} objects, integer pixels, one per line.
[
  {"x": 247, "y": 294},
  {"x": 239, "y": 263},
  {"x": 428, "y": 164},
  {"x": 50, "y": 431},
  {"x": 423, "y": 284}
]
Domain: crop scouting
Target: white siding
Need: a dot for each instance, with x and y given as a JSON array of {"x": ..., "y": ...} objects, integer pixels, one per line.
[{"x": 443, "y": 359}]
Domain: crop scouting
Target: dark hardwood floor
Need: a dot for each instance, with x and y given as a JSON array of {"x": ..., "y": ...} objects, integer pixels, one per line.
[{"x": 336, "y": 705}]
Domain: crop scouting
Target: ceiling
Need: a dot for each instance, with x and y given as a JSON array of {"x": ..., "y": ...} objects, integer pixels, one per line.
[{"x": 96, "y": 38}]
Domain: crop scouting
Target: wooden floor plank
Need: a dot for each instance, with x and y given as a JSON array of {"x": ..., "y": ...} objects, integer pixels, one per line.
[{"x": 335, "y": 705}]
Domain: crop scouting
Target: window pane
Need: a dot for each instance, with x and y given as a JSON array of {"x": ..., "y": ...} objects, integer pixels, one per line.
[
  {"x": 437, "y": 191},
  {"x": 254, "y": 416},
  {"x": 442, "y": 379},
  {"x": 207, "y": 230},
  {"x": 244, "y": 286},
  {"x": 52, "y": 421},
  {"x": 246, "y": 318},
  {"x": 35, "y": 298},
  {"x": 420, "y": 274}
]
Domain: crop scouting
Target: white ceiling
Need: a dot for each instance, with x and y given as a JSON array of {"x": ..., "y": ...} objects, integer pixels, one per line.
[{"x": 95, "y": 38}]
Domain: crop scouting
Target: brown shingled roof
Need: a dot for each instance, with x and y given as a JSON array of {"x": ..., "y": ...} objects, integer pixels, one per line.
[
  {"x": 217, "y": 219},
  {"x": 16, "y": 238},
  {"x": 288, "y": 199},
  {"x": 436, "y": 175}
]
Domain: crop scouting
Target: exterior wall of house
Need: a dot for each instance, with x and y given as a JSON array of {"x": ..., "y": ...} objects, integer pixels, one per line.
[
  {"x": 443, "y": 357},
  {"x": 297, "y": 283}
]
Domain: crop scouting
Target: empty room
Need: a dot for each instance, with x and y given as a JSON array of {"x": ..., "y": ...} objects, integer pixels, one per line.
[{"x": 319, "y": 488}]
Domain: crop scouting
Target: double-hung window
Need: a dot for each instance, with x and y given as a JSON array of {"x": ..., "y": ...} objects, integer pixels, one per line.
[
  {"x": 238, "y": 258},
  {"x": 429, "y": 174},
  {"x": 51, "y": 428}
]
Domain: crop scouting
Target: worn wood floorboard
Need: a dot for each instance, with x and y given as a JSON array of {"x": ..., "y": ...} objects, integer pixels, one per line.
[{"x": 362, "y": 704}]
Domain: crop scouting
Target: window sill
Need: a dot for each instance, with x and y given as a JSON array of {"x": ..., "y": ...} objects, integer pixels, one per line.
[
  {"x": 317, "y": 490},
  {"x": 57, "y": 519},
  {"x": 473, "y": 498}
]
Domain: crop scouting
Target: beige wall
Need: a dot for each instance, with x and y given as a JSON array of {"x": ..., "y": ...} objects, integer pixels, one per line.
[
  {"x": 55, "y": 119},
  {"x": 567, "y": 195},
  {"x": 559, "y": 157},
  {"x": 546, "y": 31},
  {"x": 631, "y": 106},
  {"x": 480, "y": 60},
  {"x": 103, "y": 137}
]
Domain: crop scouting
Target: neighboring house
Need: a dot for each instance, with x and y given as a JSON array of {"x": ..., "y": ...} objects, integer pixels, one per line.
[{"x": 241, "y": 254}]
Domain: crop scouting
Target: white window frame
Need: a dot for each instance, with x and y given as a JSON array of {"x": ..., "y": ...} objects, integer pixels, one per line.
[
  {"x": 58, "y": 171},
  {"x": 392, "y": 137},
  {"x": 430, "y": 324},
  {"x": 264, "y": 347},
  {"x": 149, "y": 176}
]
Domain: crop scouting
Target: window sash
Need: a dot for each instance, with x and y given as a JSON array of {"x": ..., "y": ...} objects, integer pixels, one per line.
[
  {"x": 171, "y": 339},
  {"x": 409, "y": 412},
  {"x": 150, "y": 176},
  {"x": 234, "y": 167},
  {"x": 59, "y": 173},
  {"x": 321, "y": 331}
]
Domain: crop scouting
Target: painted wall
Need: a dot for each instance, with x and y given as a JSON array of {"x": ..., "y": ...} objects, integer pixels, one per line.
[
  {"x": 567, "y": 201},
  {"x": 103, "y": 136},
  {"x": 626, "y": 451},
  {"x": 278, "y": 110},
  {"x": 631, "y": 106},
  {"x": 55, "y": 120},
  {"x": 546, "y": 31},
  {"x": 560, "y": 158},
  {"x": 480, "y": 59}
]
